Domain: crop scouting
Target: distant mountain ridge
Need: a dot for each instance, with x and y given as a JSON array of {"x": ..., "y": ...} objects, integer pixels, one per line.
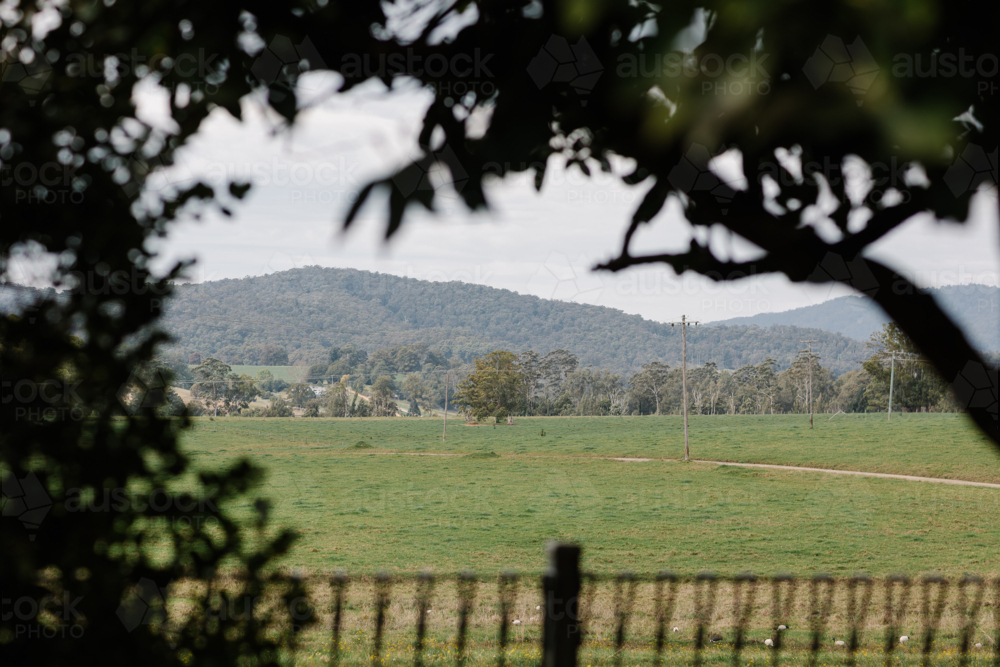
[
  {"x": 308, "y": 310},
  {"x": 975, "y": 308}
]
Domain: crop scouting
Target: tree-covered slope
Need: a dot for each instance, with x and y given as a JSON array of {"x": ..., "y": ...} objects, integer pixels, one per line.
[
  {"x": 309, "y": 310},
  {"x": 976, "y": 309}
]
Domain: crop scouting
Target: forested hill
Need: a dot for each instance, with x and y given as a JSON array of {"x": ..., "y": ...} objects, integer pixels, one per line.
[
  {"x": 976, "y": 308},
  {"x": 308, "y": 310}
]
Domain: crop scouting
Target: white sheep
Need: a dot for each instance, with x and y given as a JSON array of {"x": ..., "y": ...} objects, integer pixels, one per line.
[
  {"x": 538, "y": 608},
  {"x": 782, "y": 627},
  {"x": 517, "y": 622},
  {"x": 904, "y": 639},
  {"x": 979, "y": 644},
  {"x": 677, "y": 629},
  {"x": 839, "y": 642},
  {"x": 768, "y": 642}
]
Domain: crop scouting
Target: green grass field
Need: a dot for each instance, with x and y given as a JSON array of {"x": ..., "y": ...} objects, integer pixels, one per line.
[
  {"x": 289, "y": 374},
  {"x": 488, "y": 498}
]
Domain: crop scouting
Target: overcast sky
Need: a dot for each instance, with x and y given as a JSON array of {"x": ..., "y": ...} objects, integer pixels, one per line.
[{"x": 532, "y": 243}]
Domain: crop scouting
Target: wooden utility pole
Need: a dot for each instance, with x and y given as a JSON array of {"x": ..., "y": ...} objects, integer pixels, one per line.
[
  {"x": 809, "y": 392},
  {"x": 684, "y": 378},
  {"x": 447, "y": 381}
]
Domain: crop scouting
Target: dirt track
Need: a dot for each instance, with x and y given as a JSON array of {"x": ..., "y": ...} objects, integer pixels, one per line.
[
  {"x": 885, "y": 475},
  {"x": 831, "y": 471}
]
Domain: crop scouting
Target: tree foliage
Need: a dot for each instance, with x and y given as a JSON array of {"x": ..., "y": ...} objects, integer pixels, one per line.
[
  {"x": 267, "y": 383},
  {"x": 222, "y": 389},
  {"x": 415, "y": 391},
  {"x": 651, "y": 379},
  {"x": 495, "y": 389},
  {"x": 915, "y": 385},
  {"x": 300, "y": 393},
  {"x": 382, "y": 394}
]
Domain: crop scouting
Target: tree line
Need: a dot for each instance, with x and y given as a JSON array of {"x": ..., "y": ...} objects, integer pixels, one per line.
[
  {"x": 501, "y": 384},
  {"x": 504, "y": 384}
]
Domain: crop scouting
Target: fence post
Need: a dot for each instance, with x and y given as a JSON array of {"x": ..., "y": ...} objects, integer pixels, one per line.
[{"x": 562, "y": 632}]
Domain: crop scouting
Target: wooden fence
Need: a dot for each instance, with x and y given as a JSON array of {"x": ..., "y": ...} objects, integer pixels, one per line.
[{"x": 570, "y": 617}]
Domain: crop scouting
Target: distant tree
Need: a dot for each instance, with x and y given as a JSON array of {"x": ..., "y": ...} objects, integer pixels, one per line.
[
  {"x": 793, "y": 385},
  {"x": 557, "y": 364},
  {"x": 194, "y": 359},
  {"x": 300, "y": 393},
  {"x": 334, "y": 355},
  {"x": 383, "y": 392},
  {"x": 341, "y": 366},
  {"x": 728, "y": 389},
  {"x": 757, "y": 387},
  {"x": 312, "y": 408},
  {"x": 212, "y": 377},
  {"x": 651, "y": 380},
  {"x": 851, "y": 389},
  {"x": 318, "y": 373},
  {"x": 221, "y": 388},
  {"x": 350, "y": 355},
  {"x": 278, "y": 407},
  {"x": 415, "y": 391},
  {"x": 592, "y": 392},
  {"x": 383, "y": 362},
  {"x": 409, "y": 358},
  {"x": 179, "y": 369},
  {"x": 435, "y": 359},
  {"x": 563, "y": 406},
  {"x": 555, "y": 367},
  {"x": 531, "y": 369},
  {"x": 496, "y": 386},
  {"x": 915, "y": 384},
  {"x": 338, "y": 399},
  {"x": 266, "y": 382},
  {"x": 360, "y": 407},
  {"x": 705, "y": 389},
  {"x": 240, "y": 391}
]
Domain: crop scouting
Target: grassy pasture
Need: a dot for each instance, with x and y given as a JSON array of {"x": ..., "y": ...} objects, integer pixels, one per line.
[
  {"x": 289, "y": 374},
  {"x": 489, "y": 498},
  {"x": 929, "y": 445},
  {"x": 388, "y": 494}
]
